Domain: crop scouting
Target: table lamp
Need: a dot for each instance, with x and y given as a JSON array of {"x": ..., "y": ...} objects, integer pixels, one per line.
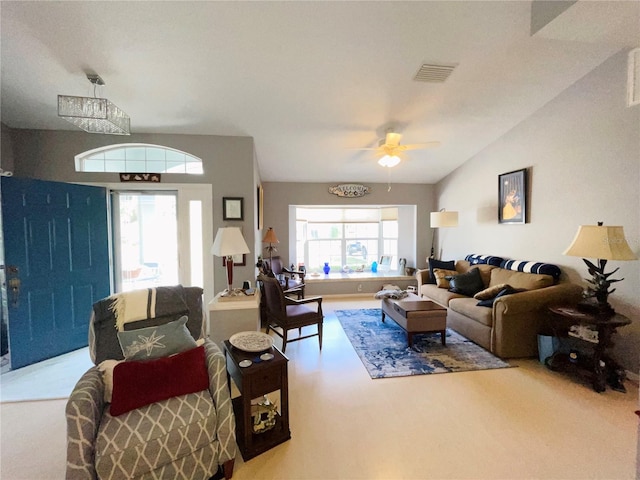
[
  {"x": 603, "y": 243},
  {"x": 270, "y": 238},
  {"x": 441, "y": 219},
  {"x": 229, "y": 242}
]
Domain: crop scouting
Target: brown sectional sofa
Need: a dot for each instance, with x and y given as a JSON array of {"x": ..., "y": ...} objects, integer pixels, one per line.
[{"x": 509, "y": 329}]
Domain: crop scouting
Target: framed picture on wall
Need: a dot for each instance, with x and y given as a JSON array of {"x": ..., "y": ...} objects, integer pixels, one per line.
[
  {"x": 233, "y": 208},
  {"x": 512, "y": 197},
  {"x": 260, "y": 205}
]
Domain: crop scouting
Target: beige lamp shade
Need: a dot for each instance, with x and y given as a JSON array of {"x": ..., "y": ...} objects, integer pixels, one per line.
[
  {"x": 228, "y": 242},
  {"x": 270, "y": 236},
  {"x": 601, "y": 242},
  {"x": 444, "y": 219}
]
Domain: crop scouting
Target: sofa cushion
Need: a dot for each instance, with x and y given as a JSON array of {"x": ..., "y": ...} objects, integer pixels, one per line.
[
  {"x": 136, "y": 384},
  {"x": 192, "y": 419},
  {"x": 532, "y": 267},
  {"x": 468, "y": 283},
  {"x": 439, "y": 295},
  {"x": 528, "y": 281},
  {"x": 433, "y": 264},
  {"x": 475, "y": 259},
  {"x": 442, "y": 277},
  {"x": 157, "y": 341},
  {"x": 490, "y": 292},
  {"x": 468, "y": 307},
  {"x": 507, "y": 290}
]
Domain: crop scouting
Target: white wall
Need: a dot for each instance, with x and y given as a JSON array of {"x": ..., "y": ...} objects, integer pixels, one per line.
[{"x": 583, "y": 152}]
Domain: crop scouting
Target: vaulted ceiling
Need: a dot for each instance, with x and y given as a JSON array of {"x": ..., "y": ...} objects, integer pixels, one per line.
[{"x": 310, "y": 81}]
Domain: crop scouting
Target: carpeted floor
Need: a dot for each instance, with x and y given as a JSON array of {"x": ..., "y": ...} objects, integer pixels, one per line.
[
  {"x": 383, "y": 349},
  {"x": 50, "y": 379}
]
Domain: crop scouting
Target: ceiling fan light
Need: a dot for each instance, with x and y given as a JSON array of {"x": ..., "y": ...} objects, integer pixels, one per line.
[{"x": 389, "y": 161}]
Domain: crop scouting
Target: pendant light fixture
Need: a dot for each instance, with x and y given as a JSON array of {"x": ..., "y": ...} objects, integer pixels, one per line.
[{"x": 93, "y": 114}]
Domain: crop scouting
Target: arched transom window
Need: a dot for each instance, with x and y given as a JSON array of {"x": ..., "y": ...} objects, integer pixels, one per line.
[{"x": 138, "y": 158}]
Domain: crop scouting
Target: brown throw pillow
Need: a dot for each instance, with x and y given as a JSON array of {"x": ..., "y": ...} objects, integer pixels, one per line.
[
  {"x": 440, "y": 275},
  {"x": 490, "y": 292}
]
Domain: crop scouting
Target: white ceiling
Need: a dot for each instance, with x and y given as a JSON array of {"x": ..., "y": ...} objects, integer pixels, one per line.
[{"x": 309, "y": 81}]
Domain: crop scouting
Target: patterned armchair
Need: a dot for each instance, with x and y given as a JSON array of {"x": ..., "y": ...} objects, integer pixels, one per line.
[{"x": 189, "y": 436}]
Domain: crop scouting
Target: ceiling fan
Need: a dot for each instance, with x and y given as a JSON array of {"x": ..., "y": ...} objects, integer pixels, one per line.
[{"x": 390, "y": 149}]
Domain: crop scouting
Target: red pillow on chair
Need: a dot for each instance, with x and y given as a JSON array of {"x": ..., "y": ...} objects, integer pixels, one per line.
[{"x": 136, "y": 384}]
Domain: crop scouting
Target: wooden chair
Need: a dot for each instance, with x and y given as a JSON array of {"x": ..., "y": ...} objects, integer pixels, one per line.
[
  {"x": 291, "y": 281},
  {"x": 285, "y": 313}
]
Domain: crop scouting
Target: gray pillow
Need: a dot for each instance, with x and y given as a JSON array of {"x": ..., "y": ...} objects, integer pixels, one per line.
[
  {"x": 467, "y": 284},
  {"x": 155, "y": 342}
]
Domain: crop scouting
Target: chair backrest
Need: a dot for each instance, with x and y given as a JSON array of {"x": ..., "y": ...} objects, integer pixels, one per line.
[
  {"x": 165, "y": 304},
  {"x": 274, "y": 299},
  {"x": 275, "y": 265}
]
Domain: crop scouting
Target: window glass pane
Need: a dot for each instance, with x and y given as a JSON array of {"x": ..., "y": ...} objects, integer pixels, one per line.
[
  {"x": 195, "y": 237},
  {"x": 175, "y": 156},
  {"x": 175, "y": 167},
  {"x": 155, "y": 166},
  {"x": 136, "y": 166},
  {"x": 115, "y": 154},
  {"x": 155, "y": 154},
  {"x": 139, "y": 159},
  {"x": 136, "y": 153},
  {"x": 390, "y": 229},
  {"x": 321, "y": 251},
  {"x": 91, "y": 165},
  {"x": 114, "y": 166}
]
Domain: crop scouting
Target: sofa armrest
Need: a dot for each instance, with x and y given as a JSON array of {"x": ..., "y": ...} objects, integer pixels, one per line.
[
  {"x": 219, "y": 389},
  {"x": 83, "y": 413},
  {"x": 422, "y": 276},
  {"x": 519, "y": 318},
  {"x": 537, "y": 300}
]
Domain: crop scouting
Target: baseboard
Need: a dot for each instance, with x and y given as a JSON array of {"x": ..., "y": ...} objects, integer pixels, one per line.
[{"x": 633, "y": 376}]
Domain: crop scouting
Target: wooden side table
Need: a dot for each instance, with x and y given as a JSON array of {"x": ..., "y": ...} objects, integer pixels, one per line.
[
  {"x": 258, "y": 379},
  {"x": 602, "y": 368}
]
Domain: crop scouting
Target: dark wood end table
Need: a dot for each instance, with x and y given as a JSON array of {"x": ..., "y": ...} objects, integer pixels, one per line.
[
  {"x": 258, "y": 379},
  {"x": 602, "y": 368}
]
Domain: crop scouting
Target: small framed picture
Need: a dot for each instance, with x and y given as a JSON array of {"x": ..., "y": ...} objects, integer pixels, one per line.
[
  {"x": 512, "y": 197},
  {"x": 233, "y": 208},
  {"x": 260, "y": 204},
  {"x": 240, "y": 260},
  {"x": 385, "y": 260}
]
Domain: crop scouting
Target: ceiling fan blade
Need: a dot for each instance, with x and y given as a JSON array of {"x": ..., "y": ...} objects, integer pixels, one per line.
[
  {"x": 418, "y": 146},
  {"x": 392, "y": 139}
]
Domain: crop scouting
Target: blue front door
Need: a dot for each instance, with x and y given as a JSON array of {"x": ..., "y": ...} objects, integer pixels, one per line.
[{"x": 56, "y": 264}]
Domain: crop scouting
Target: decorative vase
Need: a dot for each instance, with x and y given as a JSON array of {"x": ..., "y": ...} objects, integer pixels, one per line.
[{"x": 326, "y": 268}]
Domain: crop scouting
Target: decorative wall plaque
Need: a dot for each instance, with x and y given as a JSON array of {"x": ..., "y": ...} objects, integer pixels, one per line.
[
  {"x": 140, "y": 177},
  {"x": 350, "y": 190}
]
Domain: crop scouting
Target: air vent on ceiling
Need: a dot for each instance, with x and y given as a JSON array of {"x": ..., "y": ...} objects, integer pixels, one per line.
[{"x": 434, "y": 73}]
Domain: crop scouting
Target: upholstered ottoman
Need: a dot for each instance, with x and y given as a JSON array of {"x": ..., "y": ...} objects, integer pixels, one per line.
[{"x": 416, "y": 316}]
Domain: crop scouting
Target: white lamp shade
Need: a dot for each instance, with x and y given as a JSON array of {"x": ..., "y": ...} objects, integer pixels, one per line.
[
  {"x": 229, "y": 241},
  {"x": 444, "y": 219},
  {"x": 602, "y": 242},
  {"x": 389, "y": 161}
]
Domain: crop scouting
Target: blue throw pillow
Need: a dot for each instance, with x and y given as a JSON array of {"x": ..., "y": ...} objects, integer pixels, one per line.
[
  {"x": 433, "y": 264},
  {"x": 155, "y": 342}
]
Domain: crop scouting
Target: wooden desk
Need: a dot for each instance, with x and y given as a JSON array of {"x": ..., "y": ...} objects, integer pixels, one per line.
[{"x": 602, "y": 368}]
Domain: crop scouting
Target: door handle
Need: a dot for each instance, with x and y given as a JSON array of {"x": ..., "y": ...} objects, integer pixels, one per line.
[{"x": 14, "y": 285}]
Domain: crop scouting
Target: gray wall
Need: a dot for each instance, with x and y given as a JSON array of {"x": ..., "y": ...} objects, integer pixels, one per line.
[
  {"x": 6, "y": 148},
  {"x": 583, "y": 152},
  {"x": 229, "y": 166},
  {"x": 278, "y": 196}
]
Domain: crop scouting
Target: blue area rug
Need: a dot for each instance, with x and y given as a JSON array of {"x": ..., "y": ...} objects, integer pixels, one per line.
[{"x": 383, "y": 349}]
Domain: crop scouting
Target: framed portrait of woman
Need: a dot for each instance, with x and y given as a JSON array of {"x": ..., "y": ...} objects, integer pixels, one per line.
[{"x": 512, "y": 197}]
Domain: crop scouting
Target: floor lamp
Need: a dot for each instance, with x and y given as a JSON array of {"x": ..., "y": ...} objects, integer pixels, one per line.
[
  {"x": 441, "y": 219},
  {"x": 229, "y": 242},
  {"x": 270, "y": 238}
]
